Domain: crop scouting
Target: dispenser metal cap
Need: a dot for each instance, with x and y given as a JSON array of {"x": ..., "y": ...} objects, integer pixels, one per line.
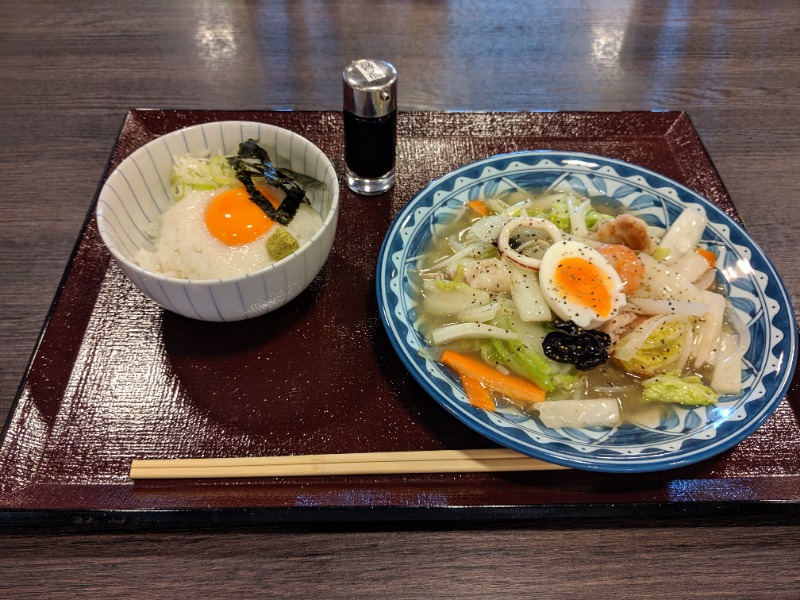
[{"x": 370, "y": 88}]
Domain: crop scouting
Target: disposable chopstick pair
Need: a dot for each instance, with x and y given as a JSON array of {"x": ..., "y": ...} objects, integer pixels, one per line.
[{"x": 372, "y": 463}]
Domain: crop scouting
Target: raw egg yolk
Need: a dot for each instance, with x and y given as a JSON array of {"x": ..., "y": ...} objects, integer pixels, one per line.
[
  {"x": 584, "y": 284},
  {"x": 234, "y": 219}
]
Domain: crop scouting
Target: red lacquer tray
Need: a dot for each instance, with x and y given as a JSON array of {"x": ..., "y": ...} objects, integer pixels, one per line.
[{"x": 115, "y": 377}]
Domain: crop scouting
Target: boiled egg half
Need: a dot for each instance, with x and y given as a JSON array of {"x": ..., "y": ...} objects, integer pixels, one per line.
[{"x": 579, "y": 284}]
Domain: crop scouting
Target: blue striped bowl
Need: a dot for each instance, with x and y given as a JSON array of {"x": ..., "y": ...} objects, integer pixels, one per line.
[
  {"x": 137, "y": 193},
  {"x": 677, "y": 435}
]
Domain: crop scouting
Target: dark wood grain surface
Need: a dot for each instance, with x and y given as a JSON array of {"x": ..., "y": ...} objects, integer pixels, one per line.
[{"x": 70, "y": 71}]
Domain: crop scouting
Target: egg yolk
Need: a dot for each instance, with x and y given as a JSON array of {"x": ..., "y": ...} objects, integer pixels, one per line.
[
  {"x": 235, "y": 220},
  {"x": 585, "y": 284}
]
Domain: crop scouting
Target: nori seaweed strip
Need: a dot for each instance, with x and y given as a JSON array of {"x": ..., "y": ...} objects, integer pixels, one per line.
[
  {"x": 251, "y": 149},
  {"x": 252, "y": 160},
  {"x": 305, "y": 181},
  {"x": 262, "y": 202},
  {"x": 290, "y": 204}
]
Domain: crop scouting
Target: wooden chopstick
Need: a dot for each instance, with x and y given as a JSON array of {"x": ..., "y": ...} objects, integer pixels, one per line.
[{"x": 377, "y": 463}]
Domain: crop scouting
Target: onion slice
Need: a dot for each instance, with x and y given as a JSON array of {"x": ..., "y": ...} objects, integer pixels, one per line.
[
  {"x": 577, "y": 216},
  {"x": 488, "y": 228},
  {"x": 649, "y": 306},
  {"x": 527, "y": 295},
  {"x": 685, "y": 232},
  {"x": 460, "y": 331},
  {"x": 710, "y": 329}
]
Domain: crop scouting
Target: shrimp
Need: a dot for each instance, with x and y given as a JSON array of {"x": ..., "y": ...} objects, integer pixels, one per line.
[
  {"x": 626, "y": 263},
  {"x": 628, "y": 230},
  {"x": 489, "y": 274}
]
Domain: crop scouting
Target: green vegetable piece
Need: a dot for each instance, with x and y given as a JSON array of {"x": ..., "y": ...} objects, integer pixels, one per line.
[
  {"x": 177, "y": 188},
  {"x": 593, "y": 218},
  {"x": 281, "y": 243},
  {"x": 515, "y": 356},
  {"x": 660, "y": 348},
  {"x": 200, "y": 173},
  {"x": 487, "y": 251},
  {"x": 690, "y": 390},
  {"x": 448, "y": 285},
  {"x": 661, "y": 253},
  {"x": 648, "y": 362},
  {"x": 221, "y": 172},
  {"x": 526, "y": 361},
  {"x": 559, "y": 215}
]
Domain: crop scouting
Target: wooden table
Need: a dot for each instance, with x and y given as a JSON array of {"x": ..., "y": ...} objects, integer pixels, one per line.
[{"x": 70, "y": 71}]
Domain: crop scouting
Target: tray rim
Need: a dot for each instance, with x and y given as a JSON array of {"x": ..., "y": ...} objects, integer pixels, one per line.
[{"x": 545, "y": 514}]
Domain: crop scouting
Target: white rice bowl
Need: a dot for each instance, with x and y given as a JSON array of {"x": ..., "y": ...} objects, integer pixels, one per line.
[{"x": 136, "y": 195}]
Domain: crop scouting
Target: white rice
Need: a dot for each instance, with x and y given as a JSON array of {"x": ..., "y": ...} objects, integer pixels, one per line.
[{"x": 184, "y": 248}]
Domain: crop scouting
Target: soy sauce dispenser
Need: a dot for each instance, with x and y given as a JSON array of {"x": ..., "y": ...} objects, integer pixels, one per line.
[{"x": 370, "y": 125}]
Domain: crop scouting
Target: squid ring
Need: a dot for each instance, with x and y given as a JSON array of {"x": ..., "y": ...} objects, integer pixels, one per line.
[{"x": 503, "y": 240}]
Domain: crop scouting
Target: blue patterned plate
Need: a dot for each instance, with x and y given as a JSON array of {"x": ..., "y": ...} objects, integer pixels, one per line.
[{"x": 680, "y": 436}]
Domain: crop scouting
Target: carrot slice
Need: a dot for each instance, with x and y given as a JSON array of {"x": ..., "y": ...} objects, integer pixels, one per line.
[
  {"x": 513, "y": 387},
  {"x": 479, "y": 206},
  {"x": 708, "y": 255},
  {"x": 479, "y": 396}
]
